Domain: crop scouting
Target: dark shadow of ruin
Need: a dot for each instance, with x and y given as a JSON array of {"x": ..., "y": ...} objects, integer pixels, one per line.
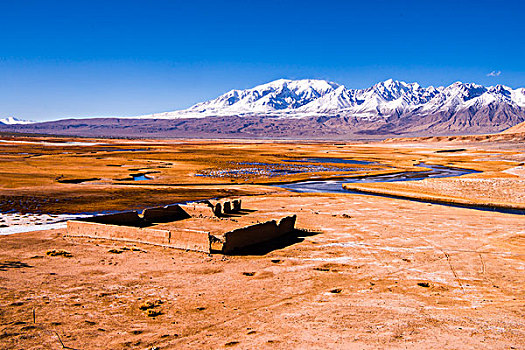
[{"x": 294, "y": 237}]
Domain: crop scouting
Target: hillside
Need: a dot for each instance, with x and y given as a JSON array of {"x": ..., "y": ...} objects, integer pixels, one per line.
[{"x": 520, "y": 128}]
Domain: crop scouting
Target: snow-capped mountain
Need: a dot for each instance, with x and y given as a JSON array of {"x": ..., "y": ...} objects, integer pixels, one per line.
[
  {"x": 13, "y": 120},
  {"x": 280, "y": 96},
  {"x": 385, "y": 100},
  {"x": 318, "y": 109}
]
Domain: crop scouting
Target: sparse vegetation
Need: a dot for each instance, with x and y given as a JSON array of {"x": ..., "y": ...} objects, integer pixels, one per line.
[
  {"x": 116, "y": 251},
  {"x": 231, "y": 343},
  {"x": 151, "y": 308},
  {"x": 150, "y": 304},
  {"x": 59, "y": 252},
  {"x": 320, "y": 268},
  {"x": 153, "y": 312}
]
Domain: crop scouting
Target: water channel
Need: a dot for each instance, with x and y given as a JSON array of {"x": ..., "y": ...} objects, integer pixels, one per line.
[
  {"x": 336, "y": 186},
  {"x": 434, "y": 171}
]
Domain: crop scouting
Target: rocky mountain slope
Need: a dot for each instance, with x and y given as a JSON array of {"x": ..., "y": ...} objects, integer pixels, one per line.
[{"x": 320, "y": 109}]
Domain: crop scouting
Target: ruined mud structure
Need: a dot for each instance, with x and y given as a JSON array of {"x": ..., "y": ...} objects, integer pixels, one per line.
[{"x": 208, "y": 226}]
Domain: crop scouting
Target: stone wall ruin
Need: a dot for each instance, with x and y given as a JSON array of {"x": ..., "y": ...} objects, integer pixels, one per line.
[{"x": 207, "y": 226}]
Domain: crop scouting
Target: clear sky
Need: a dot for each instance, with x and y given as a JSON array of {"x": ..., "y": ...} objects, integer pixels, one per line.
[{"x": 75, "y": 58}]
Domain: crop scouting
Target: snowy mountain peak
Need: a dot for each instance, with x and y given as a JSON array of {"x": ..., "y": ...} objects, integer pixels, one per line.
[
  {"x": 302, "y": 84},
  {"x": 287, "y": 98},
  {"x": 13, "y": 120},
  {"x": 321, "y": 109}
]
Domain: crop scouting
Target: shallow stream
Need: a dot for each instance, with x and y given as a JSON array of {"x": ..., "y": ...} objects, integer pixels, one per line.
[
  {"x": 336, "y": 186},
  {"x": 436, "y": 171}
]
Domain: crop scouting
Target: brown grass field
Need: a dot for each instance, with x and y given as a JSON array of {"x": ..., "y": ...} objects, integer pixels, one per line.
[{"x": 367, "y": 272}]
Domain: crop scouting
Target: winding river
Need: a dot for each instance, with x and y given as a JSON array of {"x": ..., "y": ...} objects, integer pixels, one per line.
[
  {"x": 336, "y": 186},
  {"x": 434, "y": 171}
]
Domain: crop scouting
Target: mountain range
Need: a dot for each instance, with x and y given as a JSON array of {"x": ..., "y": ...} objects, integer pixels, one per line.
[
  {"x": 320, "y": 109},
  {"x": 306, "y": 98}
]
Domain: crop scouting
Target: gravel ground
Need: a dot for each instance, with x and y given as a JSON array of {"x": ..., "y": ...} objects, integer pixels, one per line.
[{"x": 369, "y": 273}]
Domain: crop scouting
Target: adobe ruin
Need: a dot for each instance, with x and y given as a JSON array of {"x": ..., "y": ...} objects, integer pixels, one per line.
[{"x": 207, "y": 226}]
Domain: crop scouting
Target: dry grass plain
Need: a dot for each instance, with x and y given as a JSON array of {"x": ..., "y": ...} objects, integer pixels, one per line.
[{"x": 368, "y": 272}]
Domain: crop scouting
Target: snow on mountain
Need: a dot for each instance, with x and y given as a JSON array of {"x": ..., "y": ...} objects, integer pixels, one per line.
[
  {"x": 318, "y": 109},
  {"x": 389, "y": 99},
  {"x": 13, "y": 120},
  {"x": 277, "y": 97},
  {"x": 518, "y": 96}
]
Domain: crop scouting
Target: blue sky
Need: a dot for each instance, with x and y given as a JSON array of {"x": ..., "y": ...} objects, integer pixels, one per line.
[{"x": 79, "y": 58}]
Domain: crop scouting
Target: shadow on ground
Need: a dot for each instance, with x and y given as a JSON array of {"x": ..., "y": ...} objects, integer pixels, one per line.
[
  {"x": 13, "y": 265},
  {"x": 296, "y": 236}
]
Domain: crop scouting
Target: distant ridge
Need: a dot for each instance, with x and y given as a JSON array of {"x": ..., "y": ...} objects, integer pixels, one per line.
[{"x": 319, "y": 109}]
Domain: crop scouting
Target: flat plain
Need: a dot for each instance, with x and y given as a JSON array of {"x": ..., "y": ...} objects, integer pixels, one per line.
[{"x": 364, "y": 271}]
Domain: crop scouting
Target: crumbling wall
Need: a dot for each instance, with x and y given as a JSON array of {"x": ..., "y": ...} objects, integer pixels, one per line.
[
  {"x": 237, "y": 204},
  {"x": 217, "y": 209},
  {"x": 129, "y": 218},
  {"x": 190, "y": 240},
  {"x": 165, "y": 214},
  {"x": 181, "y": 239},
  {"x": 199, "y": 209},
  {"x": 248, "y": 235},
  {"x": 256, "y": 233},
  {"x": 97, "y": 230},
  {"x": 226, "y": 207},
  {"x": 286, "y": 224},
  {"x": 130, "y": 226}
]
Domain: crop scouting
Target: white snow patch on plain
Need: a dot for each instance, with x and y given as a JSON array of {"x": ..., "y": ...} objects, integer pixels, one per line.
[
  {"x": 518, "y": 171},
  {"x": 17, "y": 223}
]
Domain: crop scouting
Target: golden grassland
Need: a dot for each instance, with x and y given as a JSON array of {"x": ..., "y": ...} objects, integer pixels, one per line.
[
  {"x": 366, "y": 272},
  {"x": 494, "y": 193},
  {"x": 86, "y": 175}
]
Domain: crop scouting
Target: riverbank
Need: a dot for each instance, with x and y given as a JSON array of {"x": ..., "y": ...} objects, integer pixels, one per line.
[{"x": 489, "y": 193}]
